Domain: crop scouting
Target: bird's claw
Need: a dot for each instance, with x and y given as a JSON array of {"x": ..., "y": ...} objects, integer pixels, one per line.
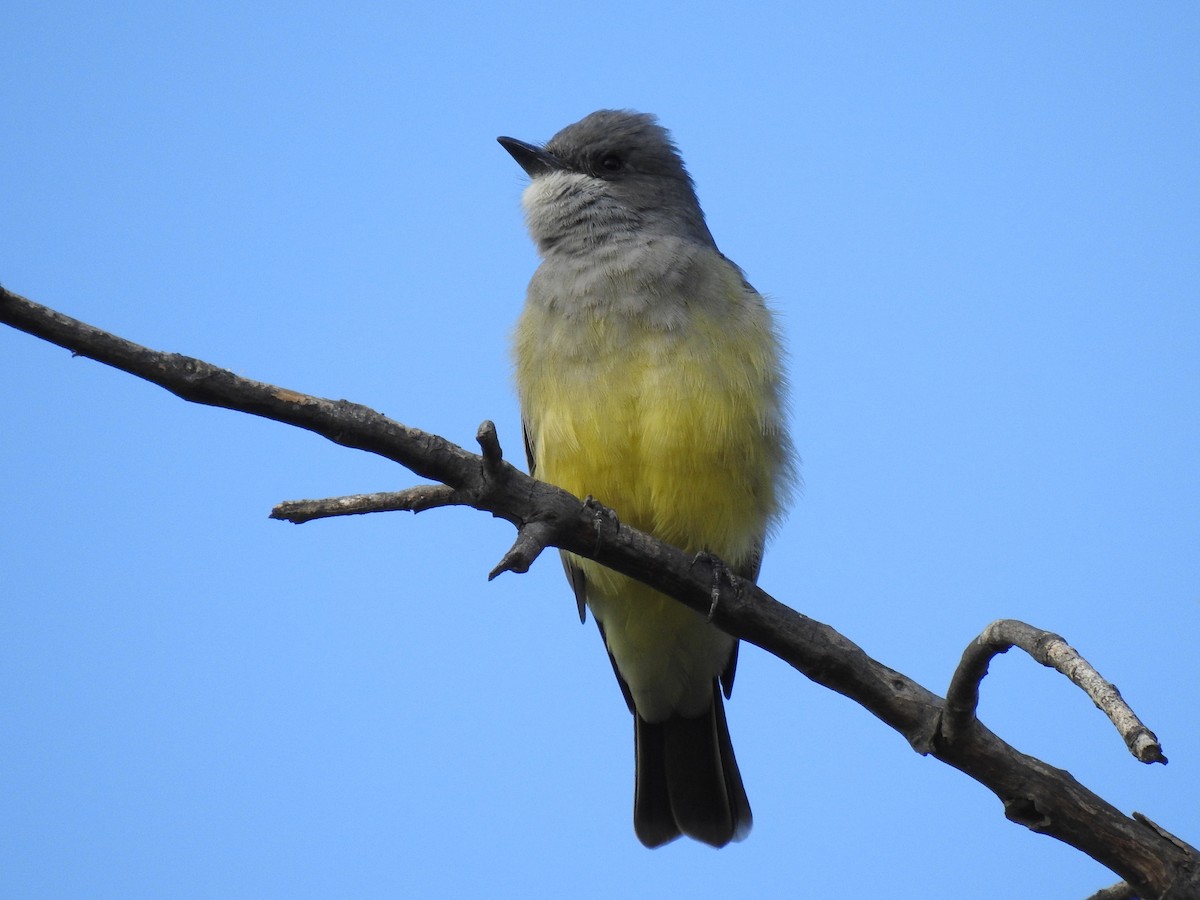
[
  {"x": 601, "y": 514},
  {"x": 721, "y": 572}
]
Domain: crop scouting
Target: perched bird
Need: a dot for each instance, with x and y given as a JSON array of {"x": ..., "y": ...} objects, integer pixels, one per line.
[{"x": 648, "y": 371}]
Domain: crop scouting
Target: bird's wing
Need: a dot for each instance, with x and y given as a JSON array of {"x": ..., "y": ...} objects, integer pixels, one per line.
[{"x": 574, "y": 574}]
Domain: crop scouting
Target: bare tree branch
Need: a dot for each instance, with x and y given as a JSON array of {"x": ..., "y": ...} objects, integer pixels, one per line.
[
  {"x": 1052, "y": 651},
  {"x": 1119, "y": 891},
  {"x": 414, "y": 499},
  {"x": 418, "y": 498},
  {"x": 1041, "y": 797},
  {"x": 532, "y": 539}
]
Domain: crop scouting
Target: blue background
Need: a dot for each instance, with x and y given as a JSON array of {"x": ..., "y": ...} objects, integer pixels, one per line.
[{"x": 980, "y": 226}]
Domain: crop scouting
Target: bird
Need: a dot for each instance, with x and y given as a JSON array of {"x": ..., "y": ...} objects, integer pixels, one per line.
[{"x": 649, "y": 376}]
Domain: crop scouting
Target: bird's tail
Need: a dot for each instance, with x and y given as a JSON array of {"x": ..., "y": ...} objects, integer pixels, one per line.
[{"x": 688, "y": 780}]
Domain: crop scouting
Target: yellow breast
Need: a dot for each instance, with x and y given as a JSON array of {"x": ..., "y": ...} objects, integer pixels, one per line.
[{"x": 677, "y": 431}]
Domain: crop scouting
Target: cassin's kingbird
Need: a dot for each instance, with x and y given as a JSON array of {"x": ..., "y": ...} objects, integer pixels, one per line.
[{"x": 649, "y": 378}]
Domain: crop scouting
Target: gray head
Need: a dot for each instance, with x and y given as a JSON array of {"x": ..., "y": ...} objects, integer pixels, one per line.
[{"x": 610, "y": 177}]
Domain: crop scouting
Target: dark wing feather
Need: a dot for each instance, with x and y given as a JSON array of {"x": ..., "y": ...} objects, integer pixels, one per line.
[
  {"x": 574, "y": 574},
  {"x": 749, "y": 571}
]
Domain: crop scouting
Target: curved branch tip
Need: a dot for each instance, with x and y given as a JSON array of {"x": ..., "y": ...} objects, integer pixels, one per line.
[{"x": 1052, "y": 651}]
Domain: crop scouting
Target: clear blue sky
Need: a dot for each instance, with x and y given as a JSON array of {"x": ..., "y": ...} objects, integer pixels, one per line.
[{"x": 980, "y": 225}]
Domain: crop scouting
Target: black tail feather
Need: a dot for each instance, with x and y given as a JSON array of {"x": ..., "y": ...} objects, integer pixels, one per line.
[{"x": 688, "y": 780}]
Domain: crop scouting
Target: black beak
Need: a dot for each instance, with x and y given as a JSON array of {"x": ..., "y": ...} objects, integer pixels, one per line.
[{"x": 534, "y": 160}]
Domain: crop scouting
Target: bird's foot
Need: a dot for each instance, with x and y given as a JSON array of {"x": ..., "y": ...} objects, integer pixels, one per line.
[
  {"x": 601, "y": 516},
  {"x": 721, "y": 573}
]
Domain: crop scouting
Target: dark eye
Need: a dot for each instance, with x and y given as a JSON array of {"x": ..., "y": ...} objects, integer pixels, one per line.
[{"x": 610, "y": 162}]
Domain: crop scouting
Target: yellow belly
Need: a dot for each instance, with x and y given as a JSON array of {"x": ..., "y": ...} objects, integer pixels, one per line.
[{"x": 677, "y": 432}]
